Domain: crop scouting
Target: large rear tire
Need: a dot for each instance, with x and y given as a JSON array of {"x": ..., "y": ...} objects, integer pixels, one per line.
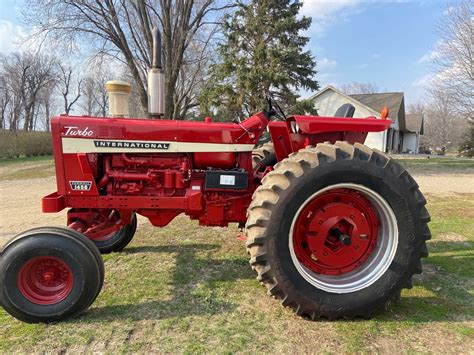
[
  {"x": 336, "y": 231},
  {"x": 49, "y": 274}
]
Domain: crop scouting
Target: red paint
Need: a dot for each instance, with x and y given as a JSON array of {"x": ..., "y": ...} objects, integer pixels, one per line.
[
  {"x": 315, "y": 124},
  {"x": 162, "y": 130},
  {"x": 161, "y": 185},
  {"x": 314, "y": 242},
  {"x": 97, "y": 224},
  {"x": 45, "y": 280}
]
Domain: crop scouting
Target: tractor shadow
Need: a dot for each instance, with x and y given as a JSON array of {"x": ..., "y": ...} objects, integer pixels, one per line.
[
  {"x": 442, "y": 293},
  {"x": 195, "y": 285},
  {"x": 203, "y": 282}
]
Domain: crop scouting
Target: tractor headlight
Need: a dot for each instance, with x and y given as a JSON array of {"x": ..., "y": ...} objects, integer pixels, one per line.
[{"x": 294, "y": 127}]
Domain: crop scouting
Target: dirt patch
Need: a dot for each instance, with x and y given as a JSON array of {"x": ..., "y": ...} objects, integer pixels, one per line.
[
  {"x": 453, "y": 237},
  {"x": 20, "y": 202},
  {"x": 7, "y": 169},
  {"x": 424, "y": 340},
  {"x": 446, "y": 183}
]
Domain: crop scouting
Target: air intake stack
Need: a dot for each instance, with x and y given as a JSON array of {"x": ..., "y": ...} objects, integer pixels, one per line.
[{"x": 156, "y": 79}]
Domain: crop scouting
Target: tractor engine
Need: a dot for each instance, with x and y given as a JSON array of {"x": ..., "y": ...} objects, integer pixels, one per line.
[
  {"x": 211, "y": 188},
  {"x": 144, "y": 174}
]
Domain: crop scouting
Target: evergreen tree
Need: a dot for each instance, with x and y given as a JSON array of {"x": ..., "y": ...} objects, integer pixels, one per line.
[
  {"x": 262, "y": 52},
  {"x": 467, "y": 146}
]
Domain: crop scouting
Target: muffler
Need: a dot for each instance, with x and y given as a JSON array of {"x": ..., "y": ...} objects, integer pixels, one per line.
[{"x": 156, "y": 79}]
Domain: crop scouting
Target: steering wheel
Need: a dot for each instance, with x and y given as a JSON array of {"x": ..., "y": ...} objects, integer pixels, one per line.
[{"x": 271, "y": 111}]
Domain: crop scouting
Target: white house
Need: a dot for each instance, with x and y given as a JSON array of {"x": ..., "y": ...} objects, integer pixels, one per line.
[{"x": 404, "y": 133}]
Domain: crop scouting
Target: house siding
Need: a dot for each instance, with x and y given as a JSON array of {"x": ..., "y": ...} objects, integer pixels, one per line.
[{"x": 410, "y": 142}]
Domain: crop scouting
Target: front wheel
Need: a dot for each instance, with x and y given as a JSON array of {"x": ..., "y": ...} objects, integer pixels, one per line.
[
  {"x": 337, "y": 231},
  {"x": 103, "y": 227},
  {"x": 49, "y": 274}
]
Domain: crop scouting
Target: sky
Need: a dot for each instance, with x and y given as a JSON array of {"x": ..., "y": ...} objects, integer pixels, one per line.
[{"x": 385, "y": 42}]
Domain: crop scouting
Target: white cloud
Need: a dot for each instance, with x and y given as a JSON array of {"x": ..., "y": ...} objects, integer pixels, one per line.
[
  {"x": 416, "y": 90},
  {"x": 11, "y": 36},
  {"x": 327, "y": 72},
  {"x": 376, "y": 56},
  {"x": 428, "y": 57},
  {"x": 324, "y": 12},
  {"x": 328, "y": 12},
  {"x": 326, "y": 64},
  {"x": 321, "y": 9},
  {"x": 422, "y": 82}
]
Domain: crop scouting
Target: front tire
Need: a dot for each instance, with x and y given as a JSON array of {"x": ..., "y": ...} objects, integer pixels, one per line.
[
  {"x": 84, "y": 222},
  {"x": 337, "y": 231},
  {"x": 48, "y": 274},
  {"x": 264, "y": 155}
]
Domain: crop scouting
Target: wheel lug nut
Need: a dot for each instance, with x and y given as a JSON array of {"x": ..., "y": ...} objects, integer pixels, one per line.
[{"x": 48, "y": 277}]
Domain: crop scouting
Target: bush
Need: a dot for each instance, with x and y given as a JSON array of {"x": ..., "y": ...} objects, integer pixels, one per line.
[
  {"x": 17, "y": 144},
  {"x": 467, "y": 146}
]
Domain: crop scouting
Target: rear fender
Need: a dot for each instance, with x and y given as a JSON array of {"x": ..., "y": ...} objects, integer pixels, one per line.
[{"x": 298, "y": 132}]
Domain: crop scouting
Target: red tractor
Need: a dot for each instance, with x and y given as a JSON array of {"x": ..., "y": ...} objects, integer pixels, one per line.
[{"x": 334, "y": 229}]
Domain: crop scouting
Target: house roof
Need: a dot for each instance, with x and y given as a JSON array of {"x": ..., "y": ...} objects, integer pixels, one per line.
[
  {"x": 414, "y": 122},
  {"x": 392, "y": 100}
]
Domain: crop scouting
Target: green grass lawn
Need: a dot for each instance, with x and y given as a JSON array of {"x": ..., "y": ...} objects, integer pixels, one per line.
[
  {"x": 6, "y": 162},
  {"x": 26, "y": 168},
  {"x": 437, "y": 165},
  {"x": 185, "y": 288}
]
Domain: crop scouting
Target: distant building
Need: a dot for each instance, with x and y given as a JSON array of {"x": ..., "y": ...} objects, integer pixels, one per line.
[{"x": 404, "y": 133}]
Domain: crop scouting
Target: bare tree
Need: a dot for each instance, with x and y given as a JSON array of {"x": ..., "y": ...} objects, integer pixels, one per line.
[
  {"x": 359, "y": 88},
  {"x": 14, "y": 72},
  {"x": 42, "y": 74},
  {"x": 453, "y": 58},
  {"x": 123, "y": 30},
  {"x": 70, "y": 86},
  {"x": 444, "y": 127},
  {"x": 94, "y": 96},
  {"x": 88, "y": 96},
  {"x": 47, "y": 102},
  {"x": 191, "y": 77},
  {"x": 24, "y": 76},
  {"x": 5, "y": 98},
  {"x": 417, "y": 107}
]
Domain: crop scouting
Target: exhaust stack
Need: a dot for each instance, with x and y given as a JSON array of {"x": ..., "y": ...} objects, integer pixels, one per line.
[{"x": 156, "y": 79}]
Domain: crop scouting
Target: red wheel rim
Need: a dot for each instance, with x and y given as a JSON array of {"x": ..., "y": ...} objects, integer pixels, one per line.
[
  {"x": 45, "y": 280},
  {"x": 98, "y": 225},
  {"x": 326, "y": 223}
]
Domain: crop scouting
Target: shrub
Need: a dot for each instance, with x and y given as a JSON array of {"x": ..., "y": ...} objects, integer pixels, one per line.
[
  {"x": 17, "y": 144},
  {"x": 467, "y": 146}
]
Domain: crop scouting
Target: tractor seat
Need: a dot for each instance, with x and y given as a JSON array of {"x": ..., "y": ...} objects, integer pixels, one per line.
[{"x": 346, "y": 110}]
